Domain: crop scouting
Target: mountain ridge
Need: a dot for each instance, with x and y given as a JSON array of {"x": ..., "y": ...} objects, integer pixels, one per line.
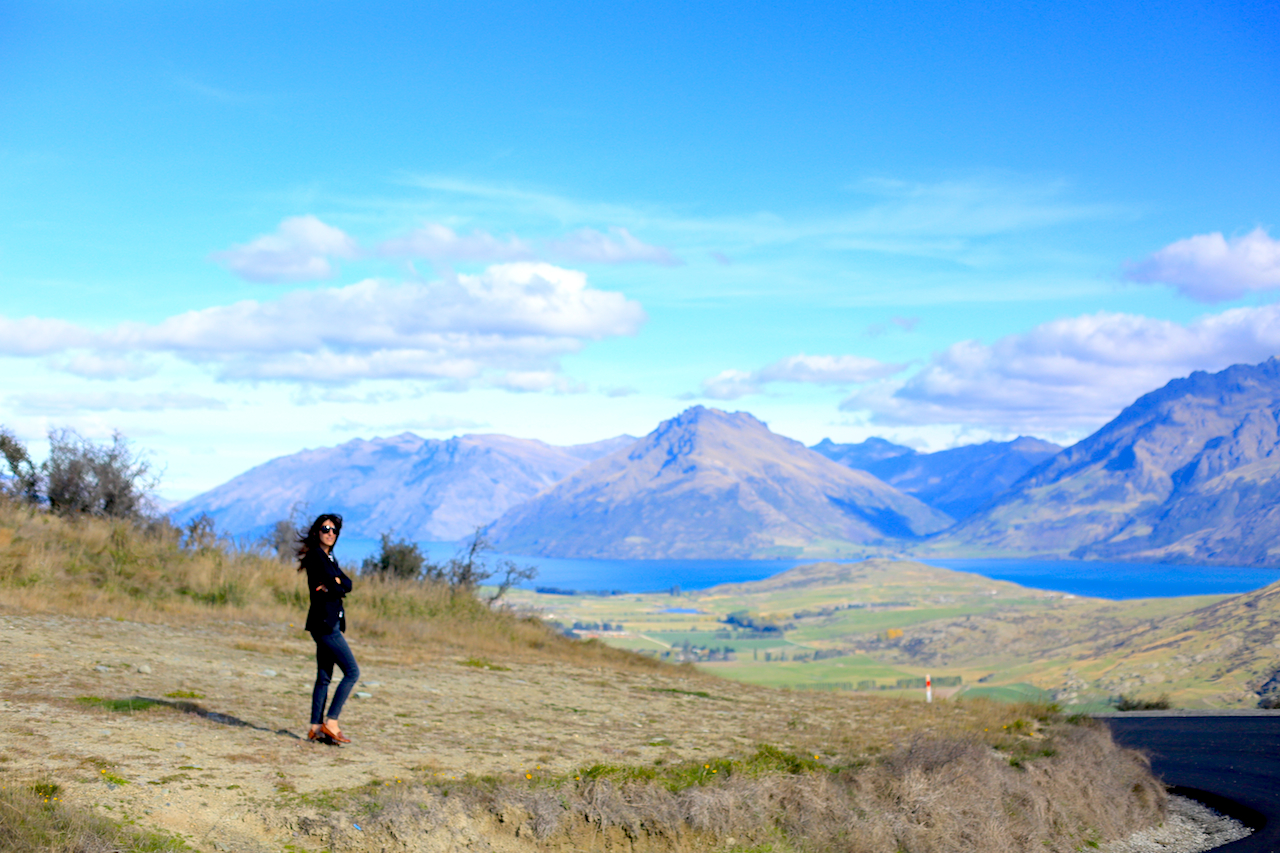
[
  {"x": 424, "y": 489},
  {"x": 1189, "y": 472},
  {"x": 958, "y": 481},
  {"x": 706, "y": 484}
]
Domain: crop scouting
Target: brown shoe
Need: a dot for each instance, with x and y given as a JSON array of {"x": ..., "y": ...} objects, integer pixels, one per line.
[{"x": 331, "y": 729}]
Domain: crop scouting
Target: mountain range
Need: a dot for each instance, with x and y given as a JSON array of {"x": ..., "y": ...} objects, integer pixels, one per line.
[
  {"x": 422, "y": 489},
  {"x": 1187, "y": 473},
  {"x": 708, "y": 484},
  {"x": 959, "y": 481}
]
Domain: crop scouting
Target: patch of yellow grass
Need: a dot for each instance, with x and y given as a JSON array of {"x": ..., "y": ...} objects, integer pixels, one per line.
[{"x": 97, "y": 568}]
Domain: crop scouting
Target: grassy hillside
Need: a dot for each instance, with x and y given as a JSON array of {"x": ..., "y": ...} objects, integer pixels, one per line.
[{"x": 130, "y": 656}]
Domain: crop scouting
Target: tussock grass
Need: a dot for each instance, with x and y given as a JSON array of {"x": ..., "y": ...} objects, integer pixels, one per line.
[
  {"x": 34, "y": 817},
  {"x": 95, "y": 568},
  {"x": 936, "y": 794}
]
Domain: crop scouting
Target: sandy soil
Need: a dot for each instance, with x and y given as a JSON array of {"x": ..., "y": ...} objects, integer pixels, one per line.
[{"x": 222, "y": 787}]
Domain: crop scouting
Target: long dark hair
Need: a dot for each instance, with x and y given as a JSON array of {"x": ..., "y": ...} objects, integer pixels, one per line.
[{"x": 310, "y": 541}]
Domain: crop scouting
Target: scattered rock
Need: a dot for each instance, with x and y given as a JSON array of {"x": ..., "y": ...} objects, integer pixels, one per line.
[
  {"x": 269, "y": 673},
  {"x": 144, "y": 669},
  {"x": 659, "y": 741},
  {"x": 372, "y": 683},
  {"x": 1192, "y": 827},
  {"x": 180, "y": 745},
  {"x": 101, "y": 668},
  {"x": 360, "y": 694}
]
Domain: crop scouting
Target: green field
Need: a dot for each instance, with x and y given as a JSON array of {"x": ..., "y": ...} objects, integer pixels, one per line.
[
  {"x": 874, "y": 621},
  {"x": 880, "y": 620},
  {"x": 841, "y": 673}
]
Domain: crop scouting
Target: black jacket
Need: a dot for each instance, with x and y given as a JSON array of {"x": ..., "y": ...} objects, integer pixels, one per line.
[{"x": 327, "y": 613}]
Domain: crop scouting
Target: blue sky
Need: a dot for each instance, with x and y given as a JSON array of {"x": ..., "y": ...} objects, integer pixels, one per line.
[{"x": 235, "y": 230}]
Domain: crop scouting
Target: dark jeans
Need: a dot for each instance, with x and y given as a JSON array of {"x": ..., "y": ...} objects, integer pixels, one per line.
[{"x": 330, "y": 650}]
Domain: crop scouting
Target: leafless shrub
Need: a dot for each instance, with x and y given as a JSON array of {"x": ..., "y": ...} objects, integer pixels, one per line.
[
  {"x": 109, "y": 480},
  {"x": 25, "y": 480}
]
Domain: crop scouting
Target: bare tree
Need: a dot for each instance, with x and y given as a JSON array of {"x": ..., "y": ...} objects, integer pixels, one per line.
[
  {"x": 469, "y": 568},
  {"x": 200, "y": 533},
  {"x": 24, "y": 477},
  {"x": 282, "y": 538},
  {"x": 110, "y": 480}
]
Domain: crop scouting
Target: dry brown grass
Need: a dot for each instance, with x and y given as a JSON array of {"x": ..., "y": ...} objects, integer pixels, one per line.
[
  {"x": 948, "y": 776},
  {"x": 936, "y": 794},
  {"x": 91, "y": 567}
]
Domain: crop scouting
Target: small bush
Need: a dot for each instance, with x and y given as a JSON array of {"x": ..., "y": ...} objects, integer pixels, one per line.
[
  {"x": 107, "y": 480},
  {"x": 24, "y": 477},
  {"x": 1133, "y": 703},
  {"x": 397, "y": 558}
]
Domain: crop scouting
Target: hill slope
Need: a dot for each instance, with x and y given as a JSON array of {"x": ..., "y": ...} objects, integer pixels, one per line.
[
  {"x": 423, "y": 489},
  {"x": 709, "y": 484},
  {"x": 959, "y": 481},
  {"x": 1187, "y": 473}
]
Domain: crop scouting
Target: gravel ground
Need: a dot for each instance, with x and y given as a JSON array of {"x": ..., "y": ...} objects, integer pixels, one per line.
[{"x": 1191, "y": 828}]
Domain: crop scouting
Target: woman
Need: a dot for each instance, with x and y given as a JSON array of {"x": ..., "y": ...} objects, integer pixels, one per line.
[{"x": 326, "y": 620}]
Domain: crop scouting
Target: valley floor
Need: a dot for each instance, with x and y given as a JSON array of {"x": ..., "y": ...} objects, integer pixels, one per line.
[{"x": 881, "y": 626}]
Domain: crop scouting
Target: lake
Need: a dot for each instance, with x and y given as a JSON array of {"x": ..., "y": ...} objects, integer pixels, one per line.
[{"x": 1079, "y": 577}]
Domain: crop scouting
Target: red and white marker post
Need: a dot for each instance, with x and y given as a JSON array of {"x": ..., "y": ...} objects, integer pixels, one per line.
[{"x": 928, "y": 688}]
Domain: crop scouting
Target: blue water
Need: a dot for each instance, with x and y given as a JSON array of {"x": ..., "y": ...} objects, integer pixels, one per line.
[
  {"x": 1080, "y": 577},
  {"x": 1118, "y": 580}
]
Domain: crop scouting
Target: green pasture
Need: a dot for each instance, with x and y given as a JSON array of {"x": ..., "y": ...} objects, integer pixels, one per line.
[
  {"x": 1008, "y": 693},
  {"x": 709, "y": 639},
  {"x": 849, "y": 670},
  {"x": 847, "y": 622}
]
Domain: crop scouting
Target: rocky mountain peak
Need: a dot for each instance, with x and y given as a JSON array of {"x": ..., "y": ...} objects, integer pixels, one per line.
[{"x": 1189, "y": 472}]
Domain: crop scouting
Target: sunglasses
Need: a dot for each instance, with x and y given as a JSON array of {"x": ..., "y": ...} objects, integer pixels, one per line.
[{"x": 328, "y": 528}]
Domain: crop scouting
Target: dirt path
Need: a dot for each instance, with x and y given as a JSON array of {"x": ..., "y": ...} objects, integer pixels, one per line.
[{"x": 215, "y": 783}]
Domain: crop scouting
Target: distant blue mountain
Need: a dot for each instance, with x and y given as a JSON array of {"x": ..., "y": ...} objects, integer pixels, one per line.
[
  {"x": 1187, "y": 473},
  {"x": 959, "y": 481},
  {"x": 711, "y": 484},
  {"x": 423, "y": 489},
  {"x": 862, "y": 454}
]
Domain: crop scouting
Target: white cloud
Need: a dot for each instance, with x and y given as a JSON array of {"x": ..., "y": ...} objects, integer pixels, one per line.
[
  {"x": 38, "y": 336},
  {"x": 91, "y": 366},
  {"x": 300, "y": 250},
  {"x": 1211, "y": 268},
  {"x": 970, "y": 207},
  {"x": 591, "y": 246},
  {"x": 815, "y": 369},
  {"x": 528, "y": 381},
  {"x": 1074, "y": 373},
  {"x": 512, "y": 317},
  {"x": 441, "y": 243},
  {"x": 47, "y": 404}
]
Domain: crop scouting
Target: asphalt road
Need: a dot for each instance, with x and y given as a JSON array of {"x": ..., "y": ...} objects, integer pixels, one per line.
[{"x": 1228, "y": 761}]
